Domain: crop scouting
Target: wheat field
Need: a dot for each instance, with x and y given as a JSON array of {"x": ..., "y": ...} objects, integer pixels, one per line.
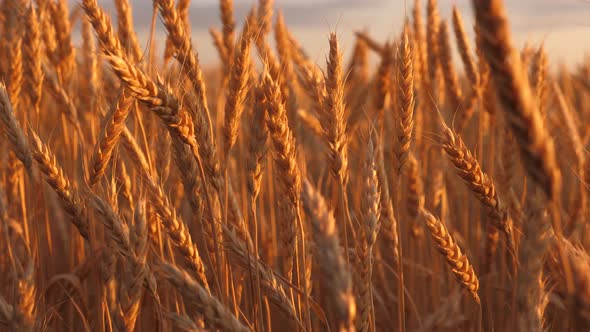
[{"x": 408, "y": 187}]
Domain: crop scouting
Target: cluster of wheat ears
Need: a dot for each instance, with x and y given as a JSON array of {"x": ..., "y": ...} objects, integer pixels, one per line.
[{"x": 145, "y": 193}]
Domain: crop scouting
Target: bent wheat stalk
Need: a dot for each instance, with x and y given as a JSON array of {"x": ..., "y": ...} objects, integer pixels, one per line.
[{"x": 477, "y": 181}]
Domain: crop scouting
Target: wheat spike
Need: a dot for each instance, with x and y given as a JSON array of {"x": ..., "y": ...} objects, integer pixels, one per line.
[
  {"x": 449, "y": 249},
  {"x": 405, "y": 119},
  {"x": 332, "y": 115},
  {"x": 536, "y": 145}
]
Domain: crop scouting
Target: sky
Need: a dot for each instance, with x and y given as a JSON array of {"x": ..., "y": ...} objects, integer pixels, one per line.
[{"x": 562, "y": 25}]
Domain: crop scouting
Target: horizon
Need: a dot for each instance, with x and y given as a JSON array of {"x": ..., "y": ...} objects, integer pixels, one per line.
[{"x": 559, "y": 24}]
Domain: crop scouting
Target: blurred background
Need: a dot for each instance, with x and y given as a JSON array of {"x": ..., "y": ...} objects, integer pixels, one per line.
[{"x": 563, "y": 25}]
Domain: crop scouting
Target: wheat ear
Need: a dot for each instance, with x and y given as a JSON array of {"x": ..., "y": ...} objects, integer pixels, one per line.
[
  {"x": 536, "y": 145},
  {"x": 285, "y": 156},
  {"x": 26, "y": 303},
  {"x": 371, "y": 213},
  {"x": 13, "y": 131},
  {"x": 330, "y": 258},
  {"x": 56, "y": 179},
  {"x": 204, "y": 304},
  {"x": 464, "y": 48},
  {"x": 332, "y": 115},
  {"x": 15, "y": 83},
  {"x": 110, "y": 132},
  {"x": 33, "y": 82},
  {"x": 432, "y": 46},
  {"x": 531, "y": 297},
  {"x": 237, "y": 90},
  {"x": 405, "y": 83},
  {"x": 126, "y": 32},
  {"x": 189, "y": 62},
  {"x": 479, "y": 183},
  {"x": 449, "y": 249},
  {"x": 453, "y": 88},
  {"x": 539, "y": 77}
]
